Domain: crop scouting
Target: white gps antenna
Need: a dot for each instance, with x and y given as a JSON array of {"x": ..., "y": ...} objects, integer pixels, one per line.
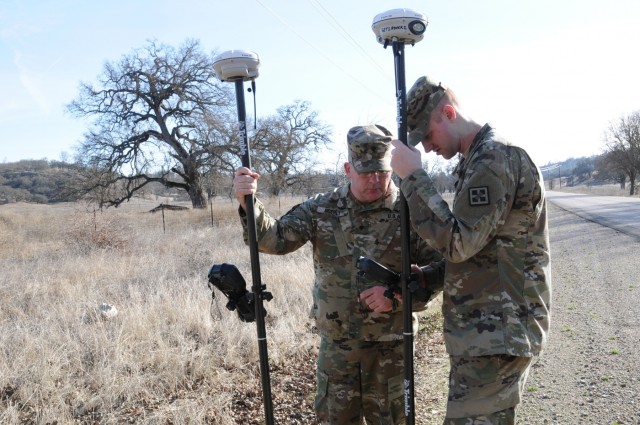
[
  {"x": 399, "y": 27},
  {"x": 402, "y": 25},
  {"x": 238, "y": 66},
  {"x": 235, "y": 65}
]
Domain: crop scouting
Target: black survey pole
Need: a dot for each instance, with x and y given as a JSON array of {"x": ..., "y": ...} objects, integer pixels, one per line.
[
  {"x": 405, "y": 227},
  {"x": 257, "y": 287},
  {"x": 399, "y": 27}
]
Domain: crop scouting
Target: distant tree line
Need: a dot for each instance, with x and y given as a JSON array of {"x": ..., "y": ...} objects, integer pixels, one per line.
[
  {"x": 43, "y": 181},
  {"x": 37, "y": 181},
  {"x": 621, "y": 160},
  {"x": 619, "y": 163}
]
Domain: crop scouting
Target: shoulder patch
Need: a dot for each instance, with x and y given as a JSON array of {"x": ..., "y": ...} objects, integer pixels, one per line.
[{"x": 478, "y": 196}]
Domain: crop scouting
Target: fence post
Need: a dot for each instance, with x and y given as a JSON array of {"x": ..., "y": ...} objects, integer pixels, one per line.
[{"x": 164, "y": 229}]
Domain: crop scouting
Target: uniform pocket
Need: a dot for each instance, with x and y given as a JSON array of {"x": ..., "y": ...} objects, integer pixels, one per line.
[
  {"x": 474, "y": 330},
  {"x": 331, "y": 242},
  {"x": 477, "y": 319}
]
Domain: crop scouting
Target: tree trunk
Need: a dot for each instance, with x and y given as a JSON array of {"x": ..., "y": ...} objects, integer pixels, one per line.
[
  {"x": 196, "y": 189},
  {"x": 198, "y": 197}
]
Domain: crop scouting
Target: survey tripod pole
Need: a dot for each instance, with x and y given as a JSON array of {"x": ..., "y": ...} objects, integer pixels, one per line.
[
  {"x": 257, "y": 287},
  {"x": 405, "y": 227},
  {"x": 399, "y": 27},
  {"x": 238, "y": 66}
]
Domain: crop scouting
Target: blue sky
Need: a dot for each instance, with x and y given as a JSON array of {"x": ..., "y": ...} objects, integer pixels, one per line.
[{"x": 551, "y": 75}]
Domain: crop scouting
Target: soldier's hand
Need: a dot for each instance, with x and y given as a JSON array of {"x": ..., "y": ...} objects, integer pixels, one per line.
[
  {"x": 422, "y": 281},
  {"x": 374, "y": 299},
  {"x": 418, "y": 271},
  {"x": 404, "y": 159},
  {"x": 245, "y": 183}
]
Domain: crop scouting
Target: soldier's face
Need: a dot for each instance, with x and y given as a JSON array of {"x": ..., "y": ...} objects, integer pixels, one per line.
[
  {"x": 439, "y": 140},
  {"x": 440, "y": 146},
  {"x": 440, "y": 137},
  {"x": 368, "y": 187}
]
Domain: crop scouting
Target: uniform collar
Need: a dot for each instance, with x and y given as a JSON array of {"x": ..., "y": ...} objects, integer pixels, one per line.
[{"x": 480, "y": 136}]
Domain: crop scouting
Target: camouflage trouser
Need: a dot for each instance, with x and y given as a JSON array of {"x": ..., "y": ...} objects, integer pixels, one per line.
[
  {"x": 359, "y": 379},
  {"x": 485, "y": 390}
]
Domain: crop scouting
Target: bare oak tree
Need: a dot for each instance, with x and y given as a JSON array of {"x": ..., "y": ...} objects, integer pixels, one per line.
[
  {"x": 285, "y": 145},
  {"x": 622, "y": 152},
  {"x": 159, "y": 115}
]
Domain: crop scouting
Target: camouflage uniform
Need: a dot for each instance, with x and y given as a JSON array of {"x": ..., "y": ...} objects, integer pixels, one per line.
[
  {"x": 497, "y": 287},
  {"x": 360, "y": 362}
]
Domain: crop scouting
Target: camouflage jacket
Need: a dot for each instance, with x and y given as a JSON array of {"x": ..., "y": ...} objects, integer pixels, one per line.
[
  {"x": 497, "y": 287},
  {"x": 340, "y": 230}
]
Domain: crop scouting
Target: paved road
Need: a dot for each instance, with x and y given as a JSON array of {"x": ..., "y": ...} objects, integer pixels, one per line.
[{"x": 616, "y": 212}]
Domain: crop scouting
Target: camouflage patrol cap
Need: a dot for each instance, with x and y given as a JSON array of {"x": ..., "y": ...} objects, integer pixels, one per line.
[
  {"x": 421, "y": 100},
  {"x": 369, "y": 148}
]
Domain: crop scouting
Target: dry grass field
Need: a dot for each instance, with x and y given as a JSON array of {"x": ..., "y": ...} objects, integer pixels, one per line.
[
  {"x": 171, "y": 355},
  {"x": 597, "y": 190}
]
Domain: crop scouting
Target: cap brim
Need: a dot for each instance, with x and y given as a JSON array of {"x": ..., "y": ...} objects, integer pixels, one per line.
[
  {"x": 374, "y": 165},
  {"x": 417, "y": 135}
]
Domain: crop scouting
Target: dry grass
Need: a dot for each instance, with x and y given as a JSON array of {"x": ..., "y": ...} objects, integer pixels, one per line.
[
  {"x": 170, "y": 355},
  {"x": 598, "y": 190}
]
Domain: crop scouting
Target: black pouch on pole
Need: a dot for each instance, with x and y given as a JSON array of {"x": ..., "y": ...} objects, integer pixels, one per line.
[{"x": 228, "y": 279}]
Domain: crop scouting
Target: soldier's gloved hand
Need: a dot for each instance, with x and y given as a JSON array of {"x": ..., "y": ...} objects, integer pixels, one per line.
[
  {"x": 433, "y": 274},
  {"x": 375, "y": 299},
  {"x": 416, "y": 273}
]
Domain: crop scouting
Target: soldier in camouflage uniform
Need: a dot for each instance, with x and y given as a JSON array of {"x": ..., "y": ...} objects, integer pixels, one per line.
[
  {"x": 497, "y": 286},
  {"x": 360, "y": 362}
]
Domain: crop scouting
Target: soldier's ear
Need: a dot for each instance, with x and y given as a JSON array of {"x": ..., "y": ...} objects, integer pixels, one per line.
[
  {"x": 449, "y": 112},
  {"x": 347, "y": 168}
]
